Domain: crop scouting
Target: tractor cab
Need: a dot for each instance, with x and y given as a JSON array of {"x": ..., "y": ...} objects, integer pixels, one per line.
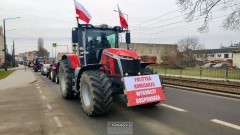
[{"x": 92, "y": 40}]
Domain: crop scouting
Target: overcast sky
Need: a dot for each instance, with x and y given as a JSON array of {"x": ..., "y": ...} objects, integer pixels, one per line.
[{"x": 53, "y": 19}]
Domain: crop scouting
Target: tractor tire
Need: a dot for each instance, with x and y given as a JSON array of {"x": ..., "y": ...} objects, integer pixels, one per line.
[
  {"x": 35, "y": 69},
  {"x": 95, "y": 92},
  {"x": 56, "y": 80},
  {"x": 65, "y": 79},
  {"x": 53, "y": 76},
  {"x": 49, "y": 76},
  {"x": 148, "y": 71}
]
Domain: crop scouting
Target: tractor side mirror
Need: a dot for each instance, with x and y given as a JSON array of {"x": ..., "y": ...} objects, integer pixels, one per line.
[{"x": 128, "y": 38}]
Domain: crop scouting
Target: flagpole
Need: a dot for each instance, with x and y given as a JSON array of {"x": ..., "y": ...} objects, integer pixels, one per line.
[{"x": 77, "y": 22}]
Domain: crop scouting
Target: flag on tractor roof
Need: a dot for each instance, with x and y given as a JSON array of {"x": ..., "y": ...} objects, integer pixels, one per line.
[
  {"x": 123, "y": 21},
  {"x": 82, "y": 13}
]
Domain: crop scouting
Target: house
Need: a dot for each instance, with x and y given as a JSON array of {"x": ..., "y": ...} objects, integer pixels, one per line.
[
  {"x": 215, "y": 55},
  {"x": 236, "y": 59}
]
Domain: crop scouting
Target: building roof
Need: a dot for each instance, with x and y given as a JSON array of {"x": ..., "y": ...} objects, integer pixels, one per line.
[
  {"x": 222, "y": 50},
  {"x": 236, "y": 51}
]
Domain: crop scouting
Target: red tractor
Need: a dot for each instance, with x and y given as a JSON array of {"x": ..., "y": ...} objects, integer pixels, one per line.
[{"x": 98, "y": 69}]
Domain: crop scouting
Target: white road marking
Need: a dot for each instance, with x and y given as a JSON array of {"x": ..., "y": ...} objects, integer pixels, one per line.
[
  {"x": 174, "y": 108},
  {"x": 49, "y": 106},
  {"x": 226, "y": 124},
  {"x": 43, "y": 97},
  {"x": 40, "y": 91},
  {"x": 57, "y": 121}
]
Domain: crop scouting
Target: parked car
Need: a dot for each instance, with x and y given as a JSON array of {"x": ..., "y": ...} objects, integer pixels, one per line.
[
  {"x": 221, "y": 65},
  {"x": 208, "y": 65},
  {"x": 44, "y": 69}
]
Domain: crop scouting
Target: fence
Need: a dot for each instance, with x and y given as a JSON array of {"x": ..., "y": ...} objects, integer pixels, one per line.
[{"x": 200, "y": 72}]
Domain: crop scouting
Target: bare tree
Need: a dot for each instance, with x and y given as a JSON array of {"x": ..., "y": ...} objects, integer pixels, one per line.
[
  {"x": 40, "y": 43},
  {"x": 189, "y": 43},
  {"x": 205, "y": 8},
  {"x": 42, "y": 52},
  {"x": 187, "y": 47}
]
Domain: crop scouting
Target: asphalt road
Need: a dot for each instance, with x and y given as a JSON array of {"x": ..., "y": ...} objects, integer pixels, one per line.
[{"x": 184, "y": 112}]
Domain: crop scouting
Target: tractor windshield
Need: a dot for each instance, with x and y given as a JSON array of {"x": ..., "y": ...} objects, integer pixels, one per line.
[{"x": 97, "y": 38}]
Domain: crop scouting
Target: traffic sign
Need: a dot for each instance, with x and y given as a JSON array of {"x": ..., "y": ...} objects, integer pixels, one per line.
[{"x": 54, "y": 45}]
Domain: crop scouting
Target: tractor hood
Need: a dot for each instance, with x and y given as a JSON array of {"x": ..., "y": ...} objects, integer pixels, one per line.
[{"x": 123, "y": 52}]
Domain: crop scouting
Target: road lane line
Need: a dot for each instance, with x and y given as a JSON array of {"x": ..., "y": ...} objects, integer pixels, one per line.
[
  {"x": 43, "y": 97},
  {"x": 49, "y": 106},
  {"x": 226, "y": 124},
  {"x": 174, "y": 108},
  {"x": 57, "y": 121}
]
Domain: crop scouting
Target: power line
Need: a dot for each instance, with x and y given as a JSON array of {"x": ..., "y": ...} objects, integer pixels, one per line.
[
  {"x": 161, "y": 26},
  {"x": 38, "y": 16},
  {"x": 155, "y": 33},
  {"x": 143, "y": 23},
  {"x": 156, "y": 18}
]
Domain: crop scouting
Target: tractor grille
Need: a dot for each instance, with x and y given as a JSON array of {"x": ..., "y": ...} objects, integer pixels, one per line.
[{"x": 132, "y": 67}]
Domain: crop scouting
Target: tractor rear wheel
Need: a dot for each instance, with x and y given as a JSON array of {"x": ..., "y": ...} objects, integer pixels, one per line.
[
  {"x": 148, "y": 71},
  {"x": 53, "y": 75},
  {"x": 56, "y": 79},
  {"x": 65, "y": 80},
  {"x": 95, "y": 92}
]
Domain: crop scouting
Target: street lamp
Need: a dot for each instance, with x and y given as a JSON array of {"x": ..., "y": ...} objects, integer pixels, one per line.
[
  {"x": 13, "y": 52},
  {"x": 11, "y": 30},
  {"x": 5, "y": 45}
]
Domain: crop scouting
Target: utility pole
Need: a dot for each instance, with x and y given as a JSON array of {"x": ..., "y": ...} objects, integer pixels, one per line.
[
  {"x": 13, "y": 55},
  {"x": 5, "y": 46}
]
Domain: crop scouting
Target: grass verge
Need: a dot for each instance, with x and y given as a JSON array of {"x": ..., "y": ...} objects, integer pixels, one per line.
[{"x": 4, "y": 74}]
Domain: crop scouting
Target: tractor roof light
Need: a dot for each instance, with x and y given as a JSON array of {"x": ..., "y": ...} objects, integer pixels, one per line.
[{"x": 126, "y": 58}]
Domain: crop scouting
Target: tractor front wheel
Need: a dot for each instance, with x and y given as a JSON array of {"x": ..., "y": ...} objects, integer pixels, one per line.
[
  {"x": 95, "y": 92},
  {"x": 65, "y": 80}
]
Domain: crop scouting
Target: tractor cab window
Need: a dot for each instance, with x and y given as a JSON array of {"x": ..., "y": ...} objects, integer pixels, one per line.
[
  {"x": 97, "y": 41},
  {"x": 101, "y": 39}
]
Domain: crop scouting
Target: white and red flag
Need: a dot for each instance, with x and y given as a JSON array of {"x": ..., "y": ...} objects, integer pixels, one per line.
[
  {"x": 123, "y": 21},
  {"x": 82, "y": 13}
]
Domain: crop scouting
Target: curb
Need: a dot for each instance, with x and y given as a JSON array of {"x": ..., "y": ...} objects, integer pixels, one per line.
[
  {"x": 33, "y": 81},
  {"x": 204, "y": 91}
]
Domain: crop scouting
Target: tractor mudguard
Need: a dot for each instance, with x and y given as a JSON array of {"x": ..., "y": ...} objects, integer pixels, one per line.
[{"x": 72, "y": 59}]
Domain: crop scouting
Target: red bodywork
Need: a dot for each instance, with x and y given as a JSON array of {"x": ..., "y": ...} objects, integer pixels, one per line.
[
  {"x": 74, "y": 60},
  {"x": 123, "y": 52},
  {"x": 111, "y": 55}
]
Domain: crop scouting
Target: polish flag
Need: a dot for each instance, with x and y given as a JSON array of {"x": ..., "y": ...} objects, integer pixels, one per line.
[
  {"x": 82, "y": 12},
  {"x": 123, "y": 21}
]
